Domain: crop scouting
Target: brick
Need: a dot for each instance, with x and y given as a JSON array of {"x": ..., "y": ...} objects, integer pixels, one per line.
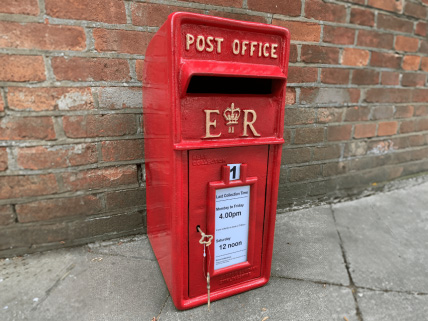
[
  {"x": 6, "y": 215},
  {"x": 387, "y": 128},
  {"x": 22, "y": 68},
  {"x": 304, "y": 173},
  {"x": 421, "y": 111},
  {"x": 329, "y": 95},
  {"x": 355, "y": 148},
  {"x": 394, "y": 23},
  {"x": 333, "y": 169},
  {"x": 302, "y": 75},
  {"x": 99, "y": 125},
  {"x": 339, "y": 35},
  {"x": 421, "y": 28},
  {"x": 408, "y": 126},
  {"x": 90, "y": 69},
  {"x": 365, "y": 77},
  {"x": 335, "y": 76},
  {"x": 329, "y": 115},
  {"x": 293, "y": 53},
  {"x": 153, "y": 14},
  {"x": 355, "y": 57},
  {"x": 290, "y": 97},
  {"x": 404, "y": 111},
  {"x": 424, "y": 64},
  {"x": 382, "y": 112},
  {"x": 236, "y": 16},
  {"x": 357, "y": 113},
  {"x": 423, "y": 47},
  {"x": 373, "y": 39},
  {"x": 422, "y": 124},
  {"x": 58, "y": 156},
  {"x": 123, "y": 41},
  {"x": 320, "y": 10},
  {"x": 364, "y": 130},
  {"x": 120, "y": 150},
  {"x": 107, "y": 177},
  {"x": 18, "y": 128},
  {"x": 284, "y": 7},
  {"x": 296, "y": 155},
  {"x": 388, "y": 5},
  {"x": 339, "y": 132},
  {"x": 44, "y": 99},
  {"x": 411, "y": 62},
  {"x": 301, "y": 31},
  {"x": 309, "y": 135},
  {"x": 388, "y": 95},
  {"x": 287, "y": 136},
  {"x": 41, "y": 36},
  {"x": 408, "y": 44},
  {"x": 25, "y": 7},
  {"x": 317, "y": 54},
  {"x": 223, "y": 3},
  {"x": 58, "y": 208},
  {"x": 387, "y": 60},
  {"x": 326, "y": 152},
  {"x": 362, "y": 17},
  {"x": 109, "y": 11},
  {"x": 420, "y": 95},
  {"x": 28, "y": 185},
  {"x": 3, "y": 159},
  {"x": 413, "y": 80},
  {"x": 415, "y": 10},
  {"x": 299, "y": 116},
  {"x": 390, "y": 78},
  {"x": 1, "y": 104},
  {"x": 119, "y": 97},
  {"x": 126, "y": 199},
  {"x": 139, "y": 65},
  {"x": 417, "y": 140}
]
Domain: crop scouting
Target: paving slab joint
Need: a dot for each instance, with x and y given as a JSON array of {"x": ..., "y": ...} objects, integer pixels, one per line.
[{"x": 162, "y": 308}]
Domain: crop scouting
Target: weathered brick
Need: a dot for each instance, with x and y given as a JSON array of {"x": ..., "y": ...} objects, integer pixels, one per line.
[
  {"x": 320, "y": 10},
  {"x": 99, "y": 125},
  {"x": 424, "y": 64},
  {"x": 329, "y": 95},
  {"x": 413, "y": 80},
  {"x": 41, "y": 36},
  {"x": 301, "y": 31},
  {"x": 119, "y": 97},
  {"x": 362, "y": 17},
  {"x": 420, "y": 95},
  {"x": 387, "y": 128},
  {"x": 22, "y": 68},
  {"x": 335, "y": 76},
  {"x": 339, "y": 132},
  {"x": 355, "y": 148},
  {"x": 365, "y": 77},
  {"x": 382, "y": 112},
  {"x": 290, "y": 97},
  {"x": 388, "y": 5},
  {"x": 394, "y": 23},
  {"x": 287, "y": 136},
  {"x": 305, "y": 173},
  {"x": 388, "y": 95},
  {"x": 417, "y": 140},
  {"x": 110, "y": 11},
  {"x": 139, "y": 65},
  {"x": 125, "y": 199},
  {"x": 408, "y": 44},
  {"x": 17, "y": 128},
  {"x": 236, "y": 16},
  {"x": 365, "y": 130},
  {"x": 25, "y": 7},
  {"x": 57, "y": 156},
  {"x": 293, "y": 53},
  {"x": 299, "y": 116},
  {"x": 223, "y": 3},
  {"x": 404, "y": 111},
  {"x": 43, "y": 99},
  {"x": 287, "y": 7},
  {"x": 296, "y": 155},
  {"x": 123, "y": 41},
  {"x": 90, "y": 69},
  {"x": 408, "y": 126},
  {"x": 411, "y": 62},
  {"x": 355, "y": 57},
  {"x": 326, "y": 152},
  {"x": 387, "y": 60},
  {"x": 6, "y": 215},
  {"x": 415, "y": 10},
  {"x": 373, "y": 39},
  {"x": 28, "y": 185},
  {"x": 329, "y": 115},
  {"x": 423, "y": 48},
  {"x": 421, "y": 111},
  {"x": 118, "y": 150},
  {"x": 58, "y": 208},
  {"x": 317, "y": 54},
  {"x": 339, "y": 35},
  {"x": 421, "y": 28},
  {"x": 390, "y": 78},
  {"x": 357, "y": 113},
  {"x": 309, "y": 135},
  {"x": 302, "y": 74},
  {"x": 100, "y": 178},
  {"x": 3, "y": 159},
  {"x": 333, "y": 169}
]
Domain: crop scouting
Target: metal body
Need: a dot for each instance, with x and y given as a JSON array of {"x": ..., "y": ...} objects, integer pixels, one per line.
[{"x": 213, "y": 95}]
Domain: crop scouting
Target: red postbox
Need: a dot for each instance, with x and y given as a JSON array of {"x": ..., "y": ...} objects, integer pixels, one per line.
[{"x": 213, "y": 97}]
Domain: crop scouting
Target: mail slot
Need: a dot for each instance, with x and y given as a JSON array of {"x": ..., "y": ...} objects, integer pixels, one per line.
[{"x": 213, "y": 97}]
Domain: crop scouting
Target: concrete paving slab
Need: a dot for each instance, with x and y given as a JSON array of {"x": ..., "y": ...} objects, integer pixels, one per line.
[
  {"x": 307, "y": 246},
  {"x": 392, "y": 306},
  {"x": 280, "y": 299},
  {"x": 385, "y": 238}
]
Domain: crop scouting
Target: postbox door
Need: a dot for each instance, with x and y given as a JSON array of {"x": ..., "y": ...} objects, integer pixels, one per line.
[{"x": 230, "y": 208}]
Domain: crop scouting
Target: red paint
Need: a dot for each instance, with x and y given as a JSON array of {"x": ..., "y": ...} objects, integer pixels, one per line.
[{"x": 184, "y": 166}]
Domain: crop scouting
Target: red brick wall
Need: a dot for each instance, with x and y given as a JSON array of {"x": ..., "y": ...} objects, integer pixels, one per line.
[{"x": 71, "y": 150}]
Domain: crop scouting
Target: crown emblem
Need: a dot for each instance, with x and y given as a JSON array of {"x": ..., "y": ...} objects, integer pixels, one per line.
[{"x": 231, "y": 114}]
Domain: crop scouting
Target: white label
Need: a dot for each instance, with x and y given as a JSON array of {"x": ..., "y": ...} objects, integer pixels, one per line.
[
  {"x": 235, "y": 171},
  {"x": 232, "y": 212}
]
